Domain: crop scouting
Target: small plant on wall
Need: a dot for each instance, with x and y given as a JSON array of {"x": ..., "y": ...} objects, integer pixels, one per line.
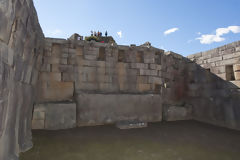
[{"x": 92, "y": 38}]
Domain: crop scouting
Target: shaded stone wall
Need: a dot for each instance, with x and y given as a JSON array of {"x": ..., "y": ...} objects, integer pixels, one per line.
[
  {"x": 21, "y": 48},
  {"x": 108, "y": 82},
  {"x": 214, "y": 91}
]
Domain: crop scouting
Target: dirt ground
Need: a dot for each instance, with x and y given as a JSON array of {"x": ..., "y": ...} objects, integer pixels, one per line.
[{"x": 182, "y": 140}]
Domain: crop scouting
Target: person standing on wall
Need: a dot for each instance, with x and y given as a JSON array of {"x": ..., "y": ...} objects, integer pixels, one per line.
[{"x": 106, "y": 33}]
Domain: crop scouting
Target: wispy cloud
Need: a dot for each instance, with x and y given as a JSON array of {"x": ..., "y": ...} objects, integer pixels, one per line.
[
  {"x": 210, "y": 38},
  {"x": 169, "y": 31},
  {"x": 199, "y": 33},
  {"x": 55, "y": 32},
  {"x": 119, "y": 34}
]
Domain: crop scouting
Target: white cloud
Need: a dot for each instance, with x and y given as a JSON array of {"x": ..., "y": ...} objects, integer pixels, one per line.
[
  {"x": 169, "y": 31},
  {"x": 210, "y": 38},
  {"x": 119, "y": 34},
  {"x": 199, "y": 33},
  {"x": 56, "y": 32}
]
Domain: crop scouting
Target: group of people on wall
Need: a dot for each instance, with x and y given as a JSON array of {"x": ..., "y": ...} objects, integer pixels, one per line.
[{"x": 98, "y": 34}]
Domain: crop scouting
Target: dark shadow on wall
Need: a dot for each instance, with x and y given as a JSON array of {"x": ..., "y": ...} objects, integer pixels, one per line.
[{"x": 213, "y": 99}]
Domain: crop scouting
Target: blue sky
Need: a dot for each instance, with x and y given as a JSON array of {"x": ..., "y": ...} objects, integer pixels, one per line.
[{"x": 182, "y": 26}]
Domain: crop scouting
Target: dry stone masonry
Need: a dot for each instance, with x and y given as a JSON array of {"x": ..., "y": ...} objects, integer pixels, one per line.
[
  {"x": 215, "y": 91},
  {"x": 49, "y": 83},
  {"x": 21, "y": 49},
  {"x": 108, "y": 83}
]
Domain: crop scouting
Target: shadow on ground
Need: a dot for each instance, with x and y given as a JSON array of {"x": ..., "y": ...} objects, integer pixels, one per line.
[{"x": 183, "y": 140}]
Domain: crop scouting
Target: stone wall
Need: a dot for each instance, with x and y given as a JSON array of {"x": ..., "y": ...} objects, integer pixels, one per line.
[
  {"x": 214, "y": 91},
  {"x": 21, "y": 48},
  {"x": 222, "y": 61},
  {"x": 79, "y": 83},
  {"x": 106, "y": 80}
]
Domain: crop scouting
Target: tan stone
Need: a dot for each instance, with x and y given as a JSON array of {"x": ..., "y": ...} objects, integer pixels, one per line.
[
  {"x": 52, "y": 60},
  {"x": 155, "y": 66},
  {"x": 56, "y": 50},
  {"x": 50, "y": 76},
  {"x": 56, "y": 91},
  {"x": 236, "y": 67},
  {"x": 142, "y": 79},
  {"x": 143, "y": 87},
  {"x": 121, "y": 68},
  {"x": 237, "y": 75},
  {"x": 55, "y": 68},
  {"x": 37, "y": 124},
  {"x": 236, "y": 83},
  {"x": 222, "y": 75}
]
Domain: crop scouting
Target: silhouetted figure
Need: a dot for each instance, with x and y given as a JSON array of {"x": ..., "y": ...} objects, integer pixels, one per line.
[
  {"x": 106, "y": 33},
  {"x": 95, "y": 33},
  {"x": 91, "y": 33},
  {"x": 100, "y": 34}
]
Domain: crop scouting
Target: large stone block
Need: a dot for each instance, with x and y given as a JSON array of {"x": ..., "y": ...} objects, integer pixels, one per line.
[
  {"x": 143, "y": 87},
  {"x": 149, "y": 57},
  {"x": 68, "y": 77},
  {"x": 50, "y": 76},
  {"x": 155, "y": 66},
  {"x": 95, "y": 109},
  {"x": 236, "y": 67},
  {"x": 45, "y": 67},
  {"x": 228, "y": 62},
  {"x": 148, "y": 72},
  {"x": 57, "y": 116},
  {"x": 230, "y": 56},
  {"x": 142, "y": 79},
  {"x": 86, "y": 86},
  {"x": 175, "y": 113},
  {"x": 52, "y": 60},
  {"x": 139, "y": 65},
  {"x": 155, "y": 80},
  {"x": 218, "y": 70},
  {"x": 55, "y": 91},
  {"x": 237, "y": 75},
  {"x": 214, "y": 59}
]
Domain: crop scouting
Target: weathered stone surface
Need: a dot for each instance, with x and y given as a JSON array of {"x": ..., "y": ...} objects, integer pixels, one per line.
[
  {"x": 57, "y": 116},
  {"x": 111, "y": 83},
  {"x": 236, "y": 67},
  {"x": 38, "y": 124},
  {"x": 237, "y": 75},
  {"x": 143, "y": 87},
  {"x": 50, "y": 76},
  {"x": 55, "y": 91},
  {"x": 147, "y": 72},
  {"x": 217, "y": 100},
  {"x": 175, "y": 113},
  {"x": 95, "y": 109},
  {"x": 21, "y": 44}
]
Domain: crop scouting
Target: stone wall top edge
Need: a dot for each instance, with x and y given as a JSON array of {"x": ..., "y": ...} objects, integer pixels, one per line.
[
  {"x": 99, "y": 44},
  {"x": 212, "y": 51}
]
